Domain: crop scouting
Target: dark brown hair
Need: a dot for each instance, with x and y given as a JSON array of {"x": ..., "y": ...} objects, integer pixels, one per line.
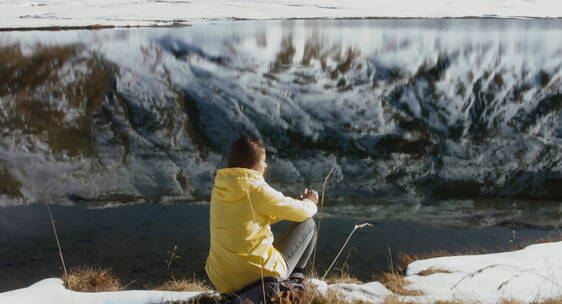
[{"x": 245, "y": 152}]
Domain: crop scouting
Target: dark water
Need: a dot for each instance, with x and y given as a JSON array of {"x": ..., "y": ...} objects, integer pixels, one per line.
[{"x": 136, "y": 242}]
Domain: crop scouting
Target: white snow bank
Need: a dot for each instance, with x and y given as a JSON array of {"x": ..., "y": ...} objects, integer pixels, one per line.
[
  {"x": 45, "y": 13},
  {"x": 52, "y": 291},
  {"x": 530, "y": 274},
  {"x": 533, "y": 273}
]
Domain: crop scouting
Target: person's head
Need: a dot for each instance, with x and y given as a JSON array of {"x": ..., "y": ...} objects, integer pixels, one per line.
[{"x": 247, "y": 152}]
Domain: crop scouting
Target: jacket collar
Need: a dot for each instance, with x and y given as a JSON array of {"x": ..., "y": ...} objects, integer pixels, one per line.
[{"x": 241, "y": 172}]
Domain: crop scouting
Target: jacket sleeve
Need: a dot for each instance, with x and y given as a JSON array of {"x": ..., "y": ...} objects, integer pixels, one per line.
[{"x": 270, "y": 202}]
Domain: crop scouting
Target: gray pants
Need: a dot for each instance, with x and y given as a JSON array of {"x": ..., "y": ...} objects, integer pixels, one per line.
[{"x": 296, "y": 244}]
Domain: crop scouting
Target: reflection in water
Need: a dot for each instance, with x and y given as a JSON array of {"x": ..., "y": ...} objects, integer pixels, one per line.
[
  {"x": 44, "y": 97},
  {"x": 137, "y": 250},
  {"x": 420, "y": 118},
  {"x": 284, "y": 58}
]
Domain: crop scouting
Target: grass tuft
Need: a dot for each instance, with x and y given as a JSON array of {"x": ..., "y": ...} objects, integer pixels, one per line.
[
  {"x": 396, "y": 300},
  {"x": 432, "y": 270},
  {"x": 510, "y": 301},
  {"x": 91, "y": 279},
  {"x": 311, "y": 296},
  {"x": 396, "y": 283},
  {"x": 184, "y": 285},
  {"x": 405, "y": 259},
  {"x": 343, "y": 278},
  {"x": 557, "y": 300}
]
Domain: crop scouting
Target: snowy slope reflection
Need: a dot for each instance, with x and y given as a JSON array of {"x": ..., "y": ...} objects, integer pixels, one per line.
[{"x": 438, "y": 117}]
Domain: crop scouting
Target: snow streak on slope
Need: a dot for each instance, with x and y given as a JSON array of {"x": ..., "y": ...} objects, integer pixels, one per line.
[{"x": 421, "y": 112}]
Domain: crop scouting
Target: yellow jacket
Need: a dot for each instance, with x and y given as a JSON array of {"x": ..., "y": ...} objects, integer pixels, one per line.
[{"x": 243, "y": 206}]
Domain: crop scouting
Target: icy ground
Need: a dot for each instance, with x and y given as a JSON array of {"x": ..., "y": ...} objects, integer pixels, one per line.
[
  {"x": 47, "y": 13},
  {"x": 530, "y": 274}
]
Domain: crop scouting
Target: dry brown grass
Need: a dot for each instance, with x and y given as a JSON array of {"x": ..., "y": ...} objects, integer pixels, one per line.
[
  {"x": 37, "y": 97},
  {"x": 91, "y": 279},
  {"x": 405, "y": 259},
  {"x": 343, "y": 278},
  {"x": 396, "y": 300},
  {"x": 557, "y": 300},
  {"x": 396, "y": 283},
  {"x": 432, "y": 270},
  {"x": 510, "y": 301},
  {"x": 21, "y": 71},
  {"x": 340, "y": 275},
  {"x": 184, "y": 285},
  {"x": 331, "y": 297},
  {"x": 9, "y": 184},
  {"x": 542, "y": 240},
  {"x": 205, "y": 298}
]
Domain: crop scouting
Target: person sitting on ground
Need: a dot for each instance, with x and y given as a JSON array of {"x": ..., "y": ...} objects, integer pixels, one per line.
[{"x": 243, "y": 206}]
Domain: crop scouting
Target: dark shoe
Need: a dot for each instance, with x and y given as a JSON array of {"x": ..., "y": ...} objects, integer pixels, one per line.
[{"x": 296, "y": 277}]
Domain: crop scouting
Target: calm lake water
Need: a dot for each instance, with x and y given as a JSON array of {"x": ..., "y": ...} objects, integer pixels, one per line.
[
  {"x": 137, "y": 241},
  {"x": 445, "y": 134}
]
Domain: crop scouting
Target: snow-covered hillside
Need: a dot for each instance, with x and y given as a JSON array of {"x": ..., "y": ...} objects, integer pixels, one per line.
[
  {"x": 47, "y": 13},
  {"x": 531, "y": 274},
  {"x": 428, "y": 113}
]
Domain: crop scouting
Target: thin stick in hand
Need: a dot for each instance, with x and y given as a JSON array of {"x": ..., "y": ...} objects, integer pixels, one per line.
[{"x": 320, "y": 210}]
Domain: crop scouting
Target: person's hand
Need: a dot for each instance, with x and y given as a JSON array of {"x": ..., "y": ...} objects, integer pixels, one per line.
[{"x": 309, "y": 194}]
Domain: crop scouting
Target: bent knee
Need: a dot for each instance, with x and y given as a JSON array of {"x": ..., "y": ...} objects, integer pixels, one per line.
[{"x": 309, "y": 224}]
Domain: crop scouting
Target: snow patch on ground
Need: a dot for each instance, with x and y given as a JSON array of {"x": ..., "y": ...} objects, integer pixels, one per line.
[
  {"x": 48, "y": 13},
  {"x": 52, "y": 291},
  {"x": 530, "y": 274}
]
